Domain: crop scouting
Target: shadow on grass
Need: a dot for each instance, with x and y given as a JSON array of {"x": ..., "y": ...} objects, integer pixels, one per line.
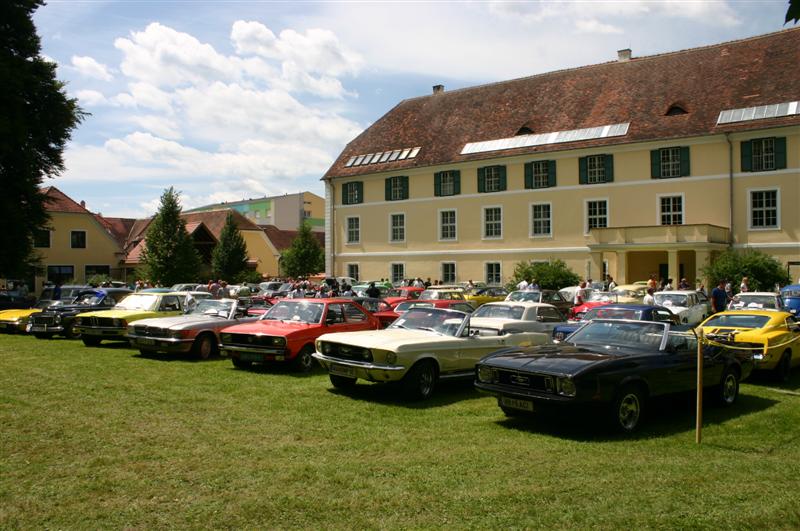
[
  {"x": 767, "y": 379},
  {"x": 664, "y": 417},
  {"x": 278, "y": 367},
  {"x": 447, "y": 392}
]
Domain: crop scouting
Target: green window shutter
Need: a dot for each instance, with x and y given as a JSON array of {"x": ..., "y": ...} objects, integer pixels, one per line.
[
  {"x": 685, "y": 168},
  {"x": 747, "y": 155},
  {"x": 583, "y": 171},
  {"x": 345, "y": 187},
  {"x": 404, "y": 181},
  {"x": 359, "y": 191},
  {"x": 457, "y": 182},
  {"x": 780, "y": 153},
  {"x": 608, "y": 162},
  {"x": 437, "y": 184},
  {"x": 551, "y": 173},
  {"x": 502, "y": 177},
  {"x": 388, "y": 185},
  {"x": 529, "y": 175},
  {"x": 655, "y": 164},
  {"x": 481, "y": 180}
]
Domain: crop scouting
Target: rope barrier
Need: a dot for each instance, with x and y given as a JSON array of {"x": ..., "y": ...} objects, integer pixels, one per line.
[{"x": 766, "y": 345}]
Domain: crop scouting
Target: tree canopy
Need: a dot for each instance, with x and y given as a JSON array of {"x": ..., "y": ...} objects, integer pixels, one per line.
[
  {"x": 305, "y": 256},
  {"x": 549, "y": 275},
  {"x": 36, "y": 121},
  {"x": 229, "y": 258},
  {"x": 169, "y": 255},
  {"x": 762, "y": 270}
]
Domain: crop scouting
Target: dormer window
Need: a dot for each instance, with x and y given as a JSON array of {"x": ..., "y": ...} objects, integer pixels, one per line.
[
  {"x": 524, "y": 130},
  {"x": 675, "y": 110}
]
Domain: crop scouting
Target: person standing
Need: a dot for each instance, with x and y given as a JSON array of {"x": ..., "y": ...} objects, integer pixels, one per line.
[
  {"x": 578, "y": 299},
  {"x": 522, "y": 284},
  {"x": 649, "y": 299},
  {"x": 719, "y": 298},
  {"x": 611, "y": 283},
  {"x": 373, "y": 291},
  {"x": 744, "y": 287}
]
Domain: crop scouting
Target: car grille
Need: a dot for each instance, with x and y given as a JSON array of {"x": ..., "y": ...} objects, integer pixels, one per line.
[
  {"x": 96, "y": 321},
  {"x": 149, "y": 331},
  {"x": 345, "y": 352},
  {"x": 252, "y": 340},
  {"x": 40, "y": 319},
  {"x": 525, "y": 380}
]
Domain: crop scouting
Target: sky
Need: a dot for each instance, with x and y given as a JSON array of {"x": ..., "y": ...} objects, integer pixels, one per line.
[{"x": 228, "y": 100}]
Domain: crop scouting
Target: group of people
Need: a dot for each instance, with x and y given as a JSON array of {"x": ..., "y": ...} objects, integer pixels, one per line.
[{"x": 528, "y": 284}]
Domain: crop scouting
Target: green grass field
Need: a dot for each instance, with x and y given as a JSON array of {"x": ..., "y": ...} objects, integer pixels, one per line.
[{"x": 105, "y": 438}]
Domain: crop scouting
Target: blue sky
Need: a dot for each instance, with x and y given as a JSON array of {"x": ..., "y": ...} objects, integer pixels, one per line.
[{"x": 230, "y": 99}]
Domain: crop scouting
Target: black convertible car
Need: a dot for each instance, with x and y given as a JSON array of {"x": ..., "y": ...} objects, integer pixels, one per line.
[
  {"x": 59, "y": 318},
  {"x": 616, "y": 363}
]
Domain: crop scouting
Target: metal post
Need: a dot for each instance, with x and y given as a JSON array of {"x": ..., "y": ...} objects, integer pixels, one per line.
[{"x": 699, "y": 425}]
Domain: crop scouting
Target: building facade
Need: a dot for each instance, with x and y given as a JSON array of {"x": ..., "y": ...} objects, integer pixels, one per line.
[
  {"x": 283, "y": 211},
  {"x": 639, "y": 166}
]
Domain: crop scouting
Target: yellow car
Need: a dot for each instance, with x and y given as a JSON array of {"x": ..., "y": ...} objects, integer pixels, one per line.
[
  {"x": 630, "y": 293},
  {"x": 113, "y": 324},
  {"x": 480, "y": 296},
  {"x": 773, "y": 337},
  {"x": 17, "y": 320}
]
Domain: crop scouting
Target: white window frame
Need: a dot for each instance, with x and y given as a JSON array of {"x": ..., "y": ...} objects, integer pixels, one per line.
[
  {"x": 348, "y": 187},
  {"x": 391, "y": 271},
  {"x": 530, "y": 220},
  {"x": 545, "y": 174},
  {"x": 85, "y": 238},
  {"x": 347, "y": 240},
  {"x": 659, "y": 212},
  {"x": 586, "y": 212},
  {"x": 483, "y": 223},
  {"x": 486, "y": 273},
  {"x": 391, "y": 227},
  {"x": 396, "y": 188},
  {"x": 670, "y": 162},
  {"x": 450, "y": 174},
  {"x": 595, "y": 174},
  {"x": 347, "y": 267},
  {"x": 777, "y": 191},
  {"x": 769, "y": 156},
  {"x": 439, "y": 224},
  {"x": 455, "y": 272},
  {"x": 495, "y": 179}
]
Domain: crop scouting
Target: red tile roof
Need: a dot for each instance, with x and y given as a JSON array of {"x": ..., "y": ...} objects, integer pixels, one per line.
[
  {"x": 282, "y": 239},
  {"x": 704, "y": 81},
  {"x": 58, "y": 201}
]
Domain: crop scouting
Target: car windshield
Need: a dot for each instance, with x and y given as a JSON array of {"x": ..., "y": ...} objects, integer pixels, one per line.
[
  {"x": 500, "y": 311},
  {"x": 742, "y": 320},
  {"x": 429, "y": 295},
  {"x": 533, "y": 296},
  {"x": 445, "y": 322},
  {"x": 139, "y": 301},
  {"x": 633, "y": 334},
  {"x": 613, "y": 313},
  {"x": 89, "y": 298},
  {"x": 746, "y": 300},
  {"x": 213, "y": 307},
  {"x": 791, "y": 293},
  {"x": 603, "y": 296},
  {"x": 622, "y": 292},
  {"x": 405, "y": 306},
  {"x": 296, "y": 311},
  {"x": 671, "y": 299}
]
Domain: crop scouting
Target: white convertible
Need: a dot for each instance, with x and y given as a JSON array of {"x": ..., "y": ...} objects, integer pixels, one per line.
[
  {"x": 419, "y": 348},
  {"x": 519, "y": 316}
]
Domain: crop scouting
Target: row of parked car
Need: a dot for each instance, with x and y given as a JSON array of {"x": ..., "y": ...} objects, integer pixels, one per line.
[{"x": 522, "y": 351}]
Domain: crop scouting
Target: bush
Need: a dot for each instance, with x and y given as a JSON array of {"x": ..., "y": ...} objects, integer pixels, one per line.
[
  {"x": 762, "y": 270},
  {"x": 549, "y": 275},
  {"x": 98, "y": 280}
]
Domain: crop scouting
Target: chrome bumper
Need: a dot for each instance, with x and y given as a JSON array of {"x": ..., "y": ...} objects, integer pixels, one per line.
[
  {"x": 361, "y": 369},
  {"x": 170, "y": 344}
]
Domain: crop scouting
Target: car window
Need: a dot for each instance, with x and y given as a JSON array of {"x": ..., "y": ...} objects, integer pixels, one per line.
[
  {"x": 550, "y": 315},
  {"x": 463, "y": 307},
  {"x": 681, "y": 342},
  {"x": 661, "y": 315},
  {"x": 335, "y": 314},
  {"x": 353, "y": 314},
  {"x": 169, "y": 303}
]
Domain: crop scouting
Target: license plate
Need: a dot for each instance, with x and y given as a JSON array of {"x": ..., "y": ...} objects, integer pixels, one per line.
[
  {"x": 250, "y": 356},
  {"x": 525, "y": 405},
  {"x": 147, "y": 341},
  {"x": 342, "y": 370}
]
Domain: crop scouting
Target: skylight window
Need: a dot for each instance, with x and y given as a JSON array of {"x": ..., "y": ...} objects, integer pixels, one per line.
[
  {"x": 746, "y": 114},
  {"x": 557, "y": 137},
  {"x": 350, "y": 162},
  {"x": 413, "y": 153},
  {"x": 382, "y": 156},
  {"x": 385, "y": 156},
  {"x": 404, "y": 154},
  {"x": 359, "y": 159}
]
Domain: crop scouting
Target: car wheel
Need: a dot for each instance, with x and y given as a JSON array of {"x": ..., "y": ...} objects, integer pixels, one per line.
[
  {"x": 204, "y": 347},
  {"x": 342, "y": 382},
  {"x": 304, "y": 361},
  {"x": 628, "y": 408},
  {"x": 43, "y": 336},
  {"x": 420, "y": 381},
  {"x": 241, "y": 364},
  {"x": 728, "y": 389},
  {"x": 91, "y": 341},
  {"x": 784, "y": 368},
  {"x": 69, "y": 333}
]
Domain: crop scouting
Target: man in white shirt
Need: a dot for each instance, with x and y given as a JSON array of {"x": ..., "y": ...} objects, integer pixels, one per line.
[
  {"x": 649, "y": 299},
  {"x": 522, "y": 285}
]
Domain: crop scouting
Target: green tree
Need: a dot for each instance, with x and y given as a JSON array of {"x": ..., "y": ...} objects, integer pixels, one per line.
[
  {"x": 762, "y": 270},
  {"x": 36, "y": 121},
  {"x": 229, "y": 258},
  {"x": 169, "y": 256},
  {"x": 549, "y": 275},
  {"x": 305, "y": 256},
  {"x": 793, "y": 12}
]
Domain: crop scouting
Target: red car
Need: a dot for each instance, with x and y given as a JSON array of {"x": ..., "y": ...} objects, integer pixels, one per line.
[
  {"x": 403, "y": 307},
  {"x": 404, "y": 293},
  {"x": 597, "y": 298},
  {"x": 286, "y": 333}
]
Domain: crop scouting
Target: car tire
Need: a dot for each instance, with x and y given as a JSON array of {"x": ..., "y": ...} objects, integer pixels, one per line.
[
  {"x": 43, "y": 336},
  {"x": 69, "y": 332},
  {"x": 241, "y": 364},
  {"x": 342, "y": 382},
  {"x": 204, "y": 347},
  {"x": 628, "y": 408},
  {"x": 420, "y": 381},
  {"x": 727, "y": 391},
  {"x": 91, "y": 341},
  {"x": 784, "y": 368},
  {"x": 304, "y": 361}
]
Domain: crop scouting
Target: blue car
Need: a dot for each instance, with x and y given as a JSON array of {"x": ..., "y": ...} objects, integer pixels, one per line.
[
  {"x": 634, "y": 312},
  {"x": 791, "y": 298}
]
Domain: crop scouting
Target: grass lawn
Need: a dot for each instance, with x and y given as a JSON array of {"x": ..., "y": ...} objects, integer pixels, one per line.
[{"x": 105, "y": 438}]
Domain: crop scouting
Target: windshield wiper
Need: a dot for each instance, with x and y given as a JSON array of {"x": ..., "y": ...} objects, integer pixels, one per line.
[{"x": 428, "y": 329}]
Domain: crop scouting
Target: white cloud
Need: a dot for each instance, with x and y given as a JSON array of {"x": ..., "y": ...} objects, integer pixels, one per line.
[
  {"x": 91, "y": 98},
  {"x": 159, "y": 126},
  {"x": 89, "y": 67},
  {"x": 593, "y": 26}
]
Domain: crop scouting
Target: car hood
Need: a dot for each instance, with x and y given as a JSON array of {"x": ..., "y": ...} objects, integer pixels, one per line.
[
  {"x": 396, "y": 339},
  {"x": 552, "y": 359},
  {"x": 182, "y": 321},
  {"x": 10, "y": 315},
  {"x": 121, "y": 314},
  {"x": 275, "y": 328}
]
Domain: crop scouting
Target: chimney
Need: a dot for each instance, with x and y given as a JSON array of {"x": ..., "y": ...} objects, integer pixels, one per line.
[
  {"x": 83, "y": 203},
  {"x": 624, "y": 55},
  {"x": 438, "y": 89}
]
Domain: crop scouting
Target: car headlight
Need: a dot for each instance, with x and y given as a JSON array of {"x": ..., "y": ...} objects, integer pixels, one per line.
[
  {"x": 325, "y": 347},
  {"x": 119, "y": 323},
  {"x": 279, "y": 341},
  {"x": 391, "y": 358},
  {"x": 57, "y": 318},
  {"x": 226, "y": 338},
  {"x": 176, "y": 334},
  {"x": 130, "y": 329},
  {"x": 485, "y": 374},
  {"x": 566, "y": 387},
  {"x": 366, "y": 354}
]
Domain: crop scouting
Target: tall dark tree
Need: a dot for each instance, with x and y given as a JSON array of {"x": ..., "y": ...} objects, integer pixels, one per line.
[
  {"x": 36, "y": 120},
  {"x": 793, "y": 12},
  {"x": 305, "y": 256},
  {"x": 229, "y": 258},
  {"x": 169, "y": 255}
]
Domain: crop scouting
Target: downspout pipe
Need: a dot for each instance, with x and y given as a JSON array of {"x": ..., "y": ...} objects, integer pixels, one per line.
[{"x": 730, "y": 189}]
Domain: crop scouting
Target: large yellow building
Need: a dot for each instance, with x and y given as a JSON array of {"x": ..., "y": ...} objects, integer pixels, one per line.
[{"x": 632, "y": 167}]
